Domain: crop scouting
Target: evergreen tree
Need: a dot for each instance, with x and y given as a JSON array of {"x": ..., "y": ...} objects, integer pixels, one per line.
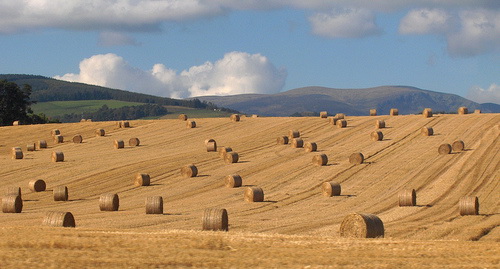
[{"x": 14, "y": 103}]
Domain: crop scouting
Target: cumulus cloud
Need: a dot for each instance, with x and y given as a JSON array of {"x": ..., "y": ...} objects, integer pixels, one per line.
[
  {"x": 345, "y": 23},
  {"x": 425, "y": 21},
  {"x": 480, "y": 95},
  {"x": 235, "y": 73}
]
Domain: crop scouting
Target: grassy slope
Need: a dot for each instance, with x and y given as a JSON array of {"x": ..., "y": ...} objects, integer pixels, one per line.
[{"x": 59, "y": 108}]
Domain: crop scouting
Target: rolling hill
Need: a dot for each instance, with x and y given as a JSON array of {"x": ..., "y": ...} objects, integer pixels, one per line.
[{"x": 357, "y": 102}]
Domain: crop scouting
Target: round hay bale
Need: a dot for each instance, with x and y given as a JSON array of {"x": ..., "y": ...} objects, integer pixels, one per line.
[
  {"x": 332, "y": 120},
  {"x": 183, "y": 117},
  {"x": 119, "y": 124},
  {"x": 190, "y": 124},
  {"x": 469, "y": 205},
  {"x": 13, "y": 191},
  {"x": 427, "y": 113},
  {"x": 100, "y": 132},
  {"x": 16, "y": 153},
  {"x": 41, "y": 144},
  {"x": 282, "y": 140},
  {"x": 15, "y": 123},
  {"x": 379, "y": 124},
  {"x": 477, "y": 111},
  {"x": 154, "y": 205},
  {"x": 12, "y": 204},
  {"x": 341, "y": 123},
  {"x": 83, "y": 120},
  {"x": 310, "y": 147},
  {"x": 323, "y": 114},
  {"x": 134, "y": 142},
  {"x": 57, "y": 156},
  {"x": 189, "y": 170},
  {"x": 255, "y": 116},
  {"x": 37, "y": 185},
  {"x": 320, "y": 159},
  {"x": 89, "y": 120},
  {"x": 458, "y": 145},
  {"x": 293, "y": 134},
  {"x": 407, "y": 198},
  {"x": 444, "y": 149},
  {"x": 361, "y": 226},
  {"x": 142, "y": 180},
  {"x": 30, "y": 147},
  {"x": 125, "y": 124},
  {"x": 58, "y": 139},
  {"x": 373, "y": 112},
  {"x": 215, "y": 219},
  {"x": 109, "y": 202},
  {"x": 394, "y": 112},
  {"x": 208, "y": 141},
  {"x": 330, "y": 189},
  {"x": 119, "y": 144},
  {"x": 231, "y": 157},
  {"x": 60, "y": 193},
  {"x": 340, "y": 116},
  {"x": 233, "y": 181},
  {"x": 377, "y": 136},
  {"x": 77, "y": 139},
  {"x": 297, "y": 143},
  {"x": 223, "y": 151},
  {"x": 463, "y": 110},
  {"x": 211, "y": 146},
  {"x": 59, "y": 219},
  {"x": 254, "y": 194},
  {"x": 235, "y": 117},
  {"x": 55, "y": 132},
  {"x": 356, "y": 158},
  {"x": 427, "y": 131}
]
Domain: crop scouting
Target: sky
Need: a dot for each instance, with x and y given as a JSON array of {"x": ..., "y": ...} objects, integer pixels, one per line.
[{"x": 187, "y": 48}]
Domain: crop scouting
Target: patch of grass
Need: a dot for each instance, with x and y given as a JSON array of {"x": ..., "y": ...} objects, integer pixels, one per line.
[
  {"x": 59, "y": 108},
  {"x": 174, "y": 111}
]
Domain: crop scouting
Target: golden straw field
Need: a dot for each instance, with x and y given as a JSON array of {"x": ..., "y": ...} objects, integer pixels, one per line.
[{"x": 294, "y": 227}]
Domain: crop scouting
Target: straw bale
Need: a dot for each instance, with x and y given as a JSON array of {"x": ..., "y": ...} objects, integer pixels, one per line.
[
  {"x": 356, "y": 158},
  {"x": 57, "y": 156},
  {"x": 31, "y": 147},
  {"x": 361, "y": 226},
  {"x": 458, "y": 145},
  {"x": 183, "y": 117},
  {"x": 142, "y": 179},
  {"x": 310, "y": 147},
  {"x": 469, "y": 205},
  {"x": 407, "y": 198},
  {"x": 77, "y": 139},
  {"x": 60, "y": 193},
  {"x": 189, "y": 170},
  {"x": 377, "y": 136},
  {"x": 154, "y": 205},
  {"x": 235, "y": 117},
  {"x": 282, "y": 140},
  {"x": 231, "y": 157},
  {"x": 119, "y": 144},
  {"x": 233, "y": 181},
  {"x": 12, "y": 204},
  {"x": 13, "y": 191},
  {"x": 134, "y": 142},
  {"x": 100, "y": 132},
  {"x": 297, "y": 143},
  {"x": 320, "y": 159},
  {"x": 379, "y": 124},
  {"x": 427, "y": 113},
  {"x": 37, "y": 185},
  {"x": 58, "y": 139},
  {"x": 427, "y": 131},
  {"x": 254, "y": 194},
  {"x": 41, "y": 144},
  {"x": 341, "y": 123},
  {"x": 215, "y": 219},
  {"x": 330, "y": 189},
  {"x": 109, "y": 202},
  {"x": 323, "y": 114},
  {"x": 223, "y": 151},
  {"x": 394, "y": 112},
  {"x": 463, "y": 110},
  {"x": 190, "y": 124},
  {"x": 373, "y": 112},
  {"x": 444, "y": 149},
  {"x": 59, "y": 219},
  {"x": 293, "y": 134}
]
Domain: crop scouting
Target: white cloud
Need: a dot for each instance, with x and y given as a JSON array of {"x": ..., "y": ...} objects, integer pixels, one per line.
[
  {"x": 425, "y": 21},
  {"x": 480, "y": 95},
  {"x": 345, "y": 23},
  {"x": 235, "y": 73}
]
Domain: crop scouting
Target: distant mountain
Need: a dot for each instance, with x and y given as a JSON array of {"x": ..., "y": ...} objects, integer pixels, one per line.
[{"x": 409, "y": 100}]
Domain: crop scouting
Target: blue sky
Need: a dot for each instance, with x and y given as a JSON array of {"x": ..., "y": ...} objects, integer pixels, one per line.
[{"x": 220, "y": 47}]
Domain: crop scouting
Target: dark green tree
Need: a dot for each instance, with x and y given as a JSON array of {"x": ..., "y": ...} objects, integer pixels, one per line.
[{"x": 14, "y": 103}]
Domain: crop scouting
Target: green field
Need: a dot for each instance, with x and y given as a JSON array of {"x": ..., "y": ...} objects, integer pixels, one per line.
[
  {"x": 59, "y": 108},
  {"x": 174, "y": 111}
]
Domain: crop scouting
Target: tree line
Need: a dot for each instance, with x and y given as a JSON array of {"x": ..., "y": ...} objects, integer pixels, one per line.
[{"x": 112, "y": 114}]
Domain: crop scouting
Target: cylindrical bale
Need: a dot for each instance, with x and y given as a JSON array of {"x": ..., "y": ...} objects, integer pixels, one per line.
[
  {"x": 37, "y": 185},
  {"x": 444, "y": 149},
  {"x": 469, "y": 205},
  {"x": 361, "y": 226},
  {"x": 340, "y": 116},
  {"x": 189, "y": 170},
  {"x": 208, "y": 141},
  {"x": 356, "y": 158},
  {"x": 41, "y": 144},
  {"x": 60, "y": 193},
  {"x": 407, "y": 198},
  {"x": 15, "y": 123},
  {"x": 458, "y": 145},
  {"x": 100, "y": 132},
  {"x": 254, "y": 194},
  {"x": 212, "y": 146},
  {"x": 125, "y": 124},
  {"x": 477, "y": 111},
  {"x": 394, "y": 112},
  {"x": 77, "y": 139},
  {"x": 55, "y": 132},
  {"x": 293, "y": 134},
  {"x": 255, "y": 116},
  {"x": 341, "y": 123},
  {"x": 223, "y": 151},
  {"x": 89, "y": 120},
  {"x": 323, "y": 114},
  {"x": 59, "y": 219},
  {"x": 215, "y": 219},
  {"x": 330, "y": 189},
  {"x": 190, "y": 124},
  {"x": 58, "y": 139},
  {"x": 109, "y": 202},
  {"x": 332, "y": 120},
  {"x": 142, "y": 180},
  {"x": 427, "y": 131},
  {"x": 183, "y": 117},
  {"x": 320, "y": 159},
  {"x": 57, "y": 156},
  {"x": 379, "y": 124},
  {"x": 235, "y": 117},
  {"x": 12, "y": 204},
  {"x": 16, "y": 153},
  {"x": 427, "y": 113},
  {"x": 154, "y": 205},
  {"x": 30, "y": 147},
  {"x": 377, "y": 136},
  {"x": 373, "y": 112},
  {"x": 134, "y": 142},
  {"x": 119, "y": 124},
  {"x": 282, "y": 140},
  {"x": 119, "y": 144},
  {"x": 463, "y": 110},
  {"x": 231, "y": 157},
  {"x": 310, "y": 147},
  {"x": 13, "y": 191},
  {"x": 83, "y": 120},
  {"x": 233, "y": 181},
  {"x": 297, "y": 143}
]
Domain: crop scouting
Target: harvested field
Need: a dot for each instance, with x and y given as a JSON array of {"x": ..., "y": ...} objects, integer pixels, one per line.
[{"x": 294, "y": 217}]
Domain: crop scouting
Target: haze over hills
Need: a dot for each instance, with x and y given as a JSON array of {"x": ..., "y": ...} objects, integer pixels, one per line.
[{"x": 356, "y": 102}]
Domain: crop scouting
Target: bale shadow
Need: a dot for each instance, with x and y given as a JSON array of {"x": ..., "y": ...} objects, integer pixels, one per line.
[
  {"x": 423, "y": 205},
  {"x": 243, "y": 161},
  {"x": 173, "y": 214},
  {"x": 347, "y": 195},
  {"x": 269, "y": 201},
  {"x": 31, "y": 200},
  {"x": 74, "y": 200},
  {"x": 386, "y": 139},
  {"x": 155, "y": 184},
  {"x": 248, "y": 186},
  {"x": 202, "y": 176}
]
